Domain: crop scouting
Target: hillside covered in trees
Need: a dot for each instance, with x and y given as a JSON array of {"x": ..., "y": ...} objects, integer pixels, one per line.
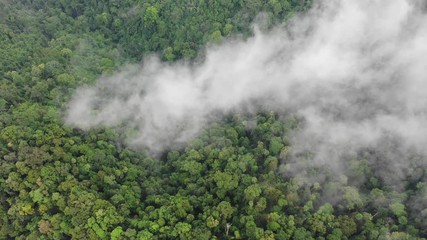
[{"x": 231, "y": 182}]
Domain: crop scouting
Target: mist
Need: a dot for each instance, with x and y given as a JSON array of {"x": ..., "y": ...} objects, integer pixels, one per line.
[{"x": 355, "y": 71}]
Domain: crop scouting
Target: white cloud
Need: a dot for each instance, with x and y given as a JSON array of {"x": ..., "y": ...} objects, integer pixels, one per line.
[{"x": 354, "y": 70}]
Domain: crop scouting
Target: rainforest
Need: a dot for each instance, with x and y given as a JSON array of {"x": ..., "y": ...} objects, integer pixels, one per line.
[{"x": 202, "y": 119}]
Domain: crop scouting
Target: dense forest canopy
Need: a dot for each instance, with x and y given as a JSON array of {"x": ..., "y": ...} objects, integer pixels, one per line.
[{"x": 232, "y": 181}]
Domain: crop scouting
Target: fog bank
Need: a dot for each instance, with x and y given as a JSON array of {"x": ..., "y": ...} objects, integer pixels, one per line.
[{"x": 355, "y": 71}]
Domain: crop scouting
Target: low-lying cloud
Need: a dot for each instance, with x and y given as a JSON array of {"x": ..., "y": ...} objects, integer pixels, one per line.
[{"x": 355, "y": 71}]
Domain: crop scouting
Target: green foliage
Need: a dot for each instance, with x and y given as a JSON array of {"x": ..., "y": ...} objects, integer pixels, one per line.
[
  {"x": 353, "y": 198},
  {"x": 276, "y": 145},
  {"x": 252, "y": 192}
]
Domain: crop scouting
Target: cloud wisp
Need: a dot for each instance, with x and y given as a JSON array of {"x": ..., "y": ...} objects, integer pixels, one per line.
[{"x": 355, "y": 71}]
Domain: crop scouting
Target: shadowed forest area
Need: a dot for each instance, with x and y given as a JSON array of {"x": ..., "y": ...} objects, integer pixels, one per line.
[{"x": 232, "y": 181}]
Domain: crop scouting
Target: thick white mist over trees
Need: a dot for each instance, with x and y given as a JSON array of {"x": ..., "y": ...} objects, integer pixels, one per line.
[{"x": 355, "y": 71}]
